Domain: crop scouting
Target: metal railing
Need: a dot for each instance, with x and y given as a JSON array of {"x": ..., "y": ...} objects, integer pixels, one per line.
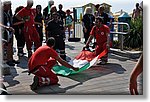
[
  {"x": 121, "y": 32},
  {"x": 79, "y": 31}
]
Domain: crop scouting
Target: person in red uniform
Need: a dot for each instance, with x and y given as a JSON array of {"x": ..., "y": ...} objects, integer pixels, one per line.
[
  {"x": 101, "y": 33},
  {"x": 27, "y": 14},
  {"x": 41, "y": 63}
]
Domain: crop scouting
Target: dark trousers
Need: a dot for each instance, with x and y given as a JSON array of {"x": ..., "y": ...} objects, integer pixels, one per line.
[
  {"x": 40, "y": 31},
  {"x": 87, "y": 34},
  {"x": 60, "y": 45},
  {"x": 20, "y": 39}
]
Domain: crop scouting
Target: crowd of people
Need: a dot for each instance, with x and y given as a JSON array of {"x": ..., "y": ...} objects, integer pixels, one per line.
[{"x": 27, "y": 26}]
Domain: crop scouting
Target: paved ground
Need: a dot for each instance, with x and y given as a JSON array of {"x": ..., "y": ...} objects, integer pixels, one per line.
[{"x": 109, "y": 79}]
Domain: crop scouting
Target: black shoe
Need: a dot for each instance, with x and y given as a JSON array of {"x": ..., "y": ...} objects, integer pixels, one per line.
[
  {"x": 35, "y": 83},
  {"x": 10, "y": 63},
  {"x": 15, "y": 62}
]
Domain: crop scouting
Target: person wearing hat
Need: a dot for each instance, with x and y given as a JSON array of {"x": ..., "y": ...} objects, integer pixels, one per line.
[
  {"x": 27, "y": 14},
  {"x": 55, "y": 29},
  {"x": 101, "y": 33}
]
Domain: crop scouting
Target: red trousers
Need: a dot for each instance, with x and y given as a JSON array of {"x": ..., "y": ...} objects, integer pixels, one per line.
[
  {"x": 100, "y": 48},
  {"x": 31, "y": 35},
  {"x": 45, "y": 73}
]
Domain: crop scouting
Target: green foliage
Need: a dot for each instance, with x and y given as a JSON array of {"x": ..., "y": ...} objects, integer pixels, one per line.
[
  {"x": 115, "y": 44},
  {"x": 135, "y": 38}
]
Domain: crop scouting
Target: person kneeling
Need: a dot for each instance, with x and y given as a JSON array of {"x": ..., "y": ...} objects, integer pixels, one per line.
[{"x": 41, "y": 63}]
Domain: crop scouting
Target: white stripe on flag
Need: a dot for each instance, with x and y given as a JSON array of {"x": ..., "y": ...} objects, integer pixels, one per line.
[
  {"x": 94, "y": 61},
  {"x": 79, "y": 63}
]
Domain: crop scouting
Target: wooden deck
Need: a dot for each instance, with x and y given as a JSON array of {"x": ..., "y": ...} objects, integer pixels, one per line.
[{"x": 110, "y": 79}]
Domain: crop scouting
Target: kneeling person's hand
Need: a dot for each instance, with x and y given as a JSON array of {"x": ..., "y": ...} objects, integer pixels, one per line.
[{"x": 75, "y": 69}]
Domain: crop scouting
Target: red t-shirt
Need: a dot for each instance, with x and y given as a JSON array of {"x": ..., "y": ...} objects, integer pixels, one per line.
[
  {"x": 28, "y": 13},
  {"x": 100, "y": 33},
  {"x": 41, "y": 56}
]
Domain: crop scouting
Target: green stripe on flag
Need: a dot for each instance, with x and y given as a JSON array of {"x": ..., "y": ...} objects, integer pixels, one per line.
[{"x": 62, "y": 70}]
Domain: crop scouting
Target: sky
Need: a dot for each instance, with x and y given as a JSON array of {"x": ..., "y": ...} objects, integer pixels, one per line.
[{"x": 117, "y": 5}]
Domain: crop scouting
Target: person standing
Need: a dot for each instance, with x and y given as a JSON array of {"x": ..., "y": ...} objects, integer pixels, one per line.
[
  {"x": 42, "y": 69},
  {"x": 18, "y": 26},
  {"x": 52, "y": 10},
  {"x": 39, "y": 23},
  {"x": 47, "y": 11},
  {"x": 8, "y": 33},
  {"x": 137, "y": 11},
  {"x": 47, "y": 15},
  {"x": 61, "y": 13},
  {"x": 103, "y": 14},
  {"x": 87, "y": 22},
  {"x": 27, "y": 14},
  {"x": 96, "y": 13},
  {"x": 101, "y": 33},
  {"x": 68, "y": 22},
  {"x": 55, "y": 29}
]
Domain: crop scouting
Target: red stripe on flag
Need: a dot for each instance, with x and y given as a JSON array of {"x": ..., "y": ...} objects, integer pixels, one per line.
[
  {"x": 103, "y": 53},
  {"x": 85, "y": 55}
]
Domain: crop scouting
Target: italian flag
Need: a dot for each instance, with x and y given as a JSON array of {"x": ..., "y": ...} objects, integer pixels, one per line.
[{"x": 84, "y": 60}]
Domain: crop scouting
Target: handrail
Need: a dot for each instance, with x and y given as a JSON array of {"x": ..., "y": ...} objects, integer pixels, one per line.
[{"x": 121, "y": 32}]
